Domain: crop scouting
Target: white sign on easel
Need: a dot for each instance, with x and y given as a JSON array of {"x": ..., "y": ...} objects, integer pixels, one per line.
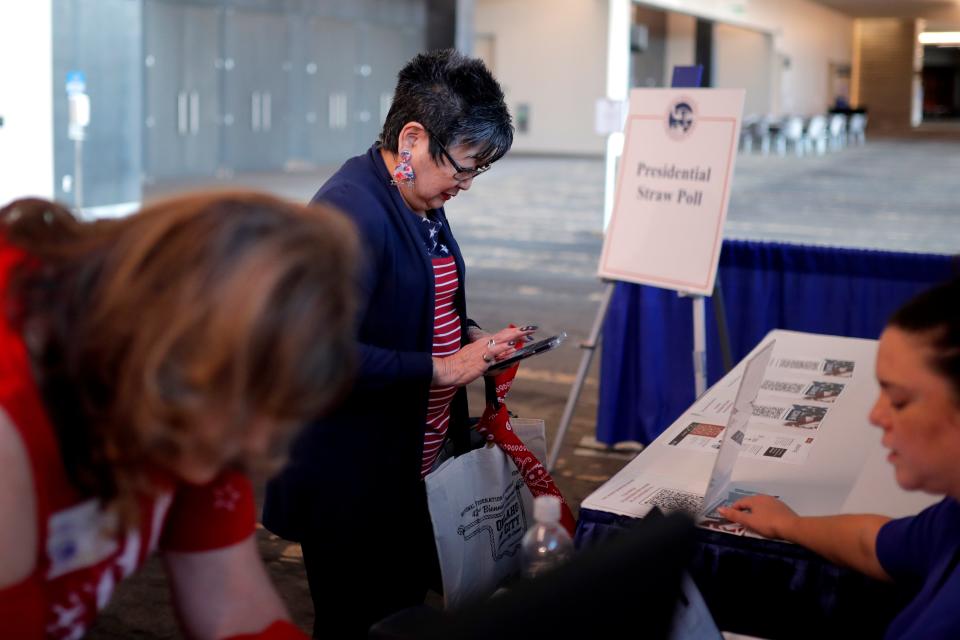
[{"x": 673, "y": 188}]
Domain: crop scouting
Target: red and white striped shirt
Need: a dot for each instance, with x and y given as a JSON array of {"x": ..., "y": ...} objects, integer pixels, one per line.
[{"x": 446, "y": 342}]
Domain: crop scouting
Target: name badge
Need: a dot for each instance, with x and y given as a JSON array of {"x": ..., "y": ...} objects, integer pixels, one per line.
[{"x": 79, "y": 537}]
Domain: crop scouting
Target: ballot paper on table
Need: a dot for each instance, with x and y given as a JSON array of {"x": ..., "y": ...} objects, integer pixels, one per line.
[{"x": 636, "y": 496}]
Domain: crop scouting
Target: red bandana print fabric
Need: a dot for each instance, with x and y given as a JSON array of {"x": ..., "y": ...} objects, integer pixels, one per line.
[{"x": 495, "y": 426}]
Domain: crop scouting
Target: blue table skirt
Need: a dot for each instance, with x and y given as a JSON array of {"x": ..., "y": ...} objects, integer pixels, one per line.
[
  {"x": 646, "y": 375},
  {"x": 772, "y": 589}
]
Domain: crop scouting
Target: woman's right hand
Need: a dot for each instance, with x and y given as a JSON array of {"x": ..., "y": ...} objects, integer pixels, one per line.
[
  {"x": 473, "y": 360},
  {"x": 765, "y": 515}
]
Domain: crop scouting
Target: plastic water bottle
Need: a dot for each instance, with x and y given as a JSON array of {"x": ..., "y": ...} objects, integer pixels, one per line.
[{"x": 547, "y": 544}]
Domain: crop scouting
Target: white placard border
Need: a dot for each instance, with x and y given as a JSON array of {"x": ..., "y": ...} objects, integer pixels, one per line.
[{"x": 668, "y": 283}]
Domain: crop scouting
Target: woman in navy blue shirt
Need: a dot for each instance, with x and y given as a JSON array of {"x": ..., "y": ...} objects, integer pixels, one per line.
[
  {"x": 918, "y": 368},
  {"x": 353, "y": 492}
]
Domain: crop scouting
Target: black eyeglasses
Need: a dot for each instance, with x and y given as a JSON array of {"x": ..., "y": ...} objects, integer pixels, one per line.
[{"x": 462, "y": 174}]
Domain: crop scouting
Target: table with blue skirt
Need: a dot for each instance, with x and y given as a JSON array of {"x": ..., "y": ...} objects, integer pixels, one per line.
[{"x": 754, "y": 586}]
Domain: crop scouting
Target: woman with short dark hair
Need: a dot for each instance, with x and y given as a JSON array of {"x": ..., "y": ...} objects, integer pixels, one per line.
[
  {"x": 145, "y": 364},
  {"x": 353, "y": 493},
  {"x": 918, "y": 368}
]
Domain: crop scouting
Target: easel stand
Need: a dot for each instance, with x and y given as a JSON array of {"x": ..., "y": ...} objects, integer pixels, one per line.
[
  {"x": 699, "y": 354},
  {"x": 687, "y": 76},
  {"x": 589, "y": 347},
  {"x": 700, "y": 336}
]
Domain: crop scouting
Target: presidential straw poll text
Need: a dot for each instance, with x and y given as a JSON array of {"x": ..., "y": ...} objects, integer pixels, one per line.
[{"x": 686, "y": 195}]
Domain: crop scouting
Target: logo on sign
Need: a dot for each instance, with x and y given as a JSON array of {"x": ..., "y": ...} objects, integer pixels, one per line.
[{"x": 681, "y": 119}]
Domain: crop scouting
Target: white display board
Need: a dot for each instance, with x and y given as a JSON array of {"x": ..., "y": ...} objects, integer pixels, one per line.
[{"x": 673, "y": 188}]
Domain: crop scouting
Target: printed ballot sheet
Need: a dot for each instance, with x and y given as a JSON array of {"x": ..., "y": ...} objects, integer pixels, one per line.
[
  {"x": 736, "y": 429},
  {"x": 806, "y": 439},
  {"x": 714, "y": 521},
  {"x": 698, "y": 436},
  {"x": 639, "y": 495},
  {"x": 793, "y": 400}
]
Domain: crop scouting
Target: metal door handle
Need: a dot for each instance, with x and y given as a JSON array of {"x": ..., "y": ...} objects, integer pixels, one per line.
[
  {"x": 194, "y": 112},
  {"x": 182, "y": 113},
  {"x": 332, "y": 110},
  {"x": 338, "y": 111},
  {"x": 386, "y": 101},
  {"x": 266, "y": 100},
  {"x": 255, "y": 111}
]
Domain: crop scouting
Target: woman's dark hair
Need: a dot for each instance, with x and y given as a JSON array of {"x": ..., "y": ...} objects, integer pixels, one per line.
[
  {"x": 237, "y": 305},
  {"x": 456, "y": 99},
  {"x": 935, "y": 314}
]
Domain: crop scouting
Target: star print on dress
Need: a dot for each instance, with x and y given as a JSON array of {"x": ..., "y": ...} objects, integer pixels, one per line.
[
  {"x": 434, "y": 247},
  {"x": 226, "y": 497},
  {"x": 68, "y": 619}
]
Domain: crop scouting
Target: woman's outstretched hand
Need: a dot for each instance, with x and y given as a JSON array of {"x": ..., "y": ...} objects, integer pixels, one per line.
[
  {"x": 846, "y": 539},
  {"x": 473, "y": 360},
  {"x": 765, "y": 515}
]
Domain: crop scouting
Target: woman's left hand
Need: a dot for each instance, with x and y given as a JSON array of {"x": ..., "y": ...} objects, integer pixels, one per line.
[
  {"x": 476, "y": 334},
  {"x": 765, "y": 515},
  {"x": 472, "y": 361},
  {"x": 512, "y": 336}
]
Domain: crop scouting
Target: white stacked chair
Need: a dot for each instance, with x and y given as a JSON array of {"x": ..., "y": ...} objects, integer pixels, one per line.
[
  {"x": 816, "y": 137},
  {"x": 837, "y": 131},
  {"x": 857, "y": 129},
  {"x": 748, "y": 132},
  {"x": 791, "y": 133}
]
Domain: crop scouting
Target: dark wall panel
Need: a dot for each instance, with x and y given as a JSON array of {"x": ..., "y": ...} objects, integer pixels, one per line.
[
  {"x": 704, "y": 49},
  {"x": 257, "y": 78}
]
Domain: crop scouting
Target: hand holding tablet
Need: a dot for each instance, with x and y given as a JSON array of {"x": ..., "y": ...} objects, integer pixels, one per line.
[{"x": 532, "y": 349}]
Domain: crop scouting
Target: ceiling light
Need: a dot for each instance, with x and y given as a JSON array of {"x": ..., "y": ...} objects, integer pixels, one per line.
[{"x": 940, "y": 37}]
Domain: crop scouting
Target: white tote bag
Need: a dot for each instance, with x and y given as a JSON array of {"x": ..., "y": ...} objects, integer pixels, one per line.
[{"x": 480, "y": 508}]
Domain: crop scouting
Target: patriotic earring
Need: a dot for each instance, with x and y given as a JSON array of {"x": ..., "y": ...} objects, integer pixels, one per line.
[{"x": 403, "y": 172}]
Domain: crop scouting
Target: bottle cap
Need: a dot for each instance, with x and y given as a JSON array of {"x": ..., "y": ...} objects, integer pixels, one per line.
[{"x": 546, "y": 509}]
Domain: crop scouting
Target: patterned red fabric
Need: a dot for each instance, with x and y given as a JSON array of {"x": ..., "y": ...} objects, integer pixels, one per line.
[
  {"x": 80, "y": 557},
  {"x": 495, "y": 426},
  {"x": 229, "y": 515},
  {"x": 446, "y": 342}
]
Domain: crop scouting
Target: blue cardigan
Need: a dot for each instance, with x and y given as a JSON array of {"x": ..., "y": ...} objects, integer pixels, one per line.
[{"x": 341, "y": 465}]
